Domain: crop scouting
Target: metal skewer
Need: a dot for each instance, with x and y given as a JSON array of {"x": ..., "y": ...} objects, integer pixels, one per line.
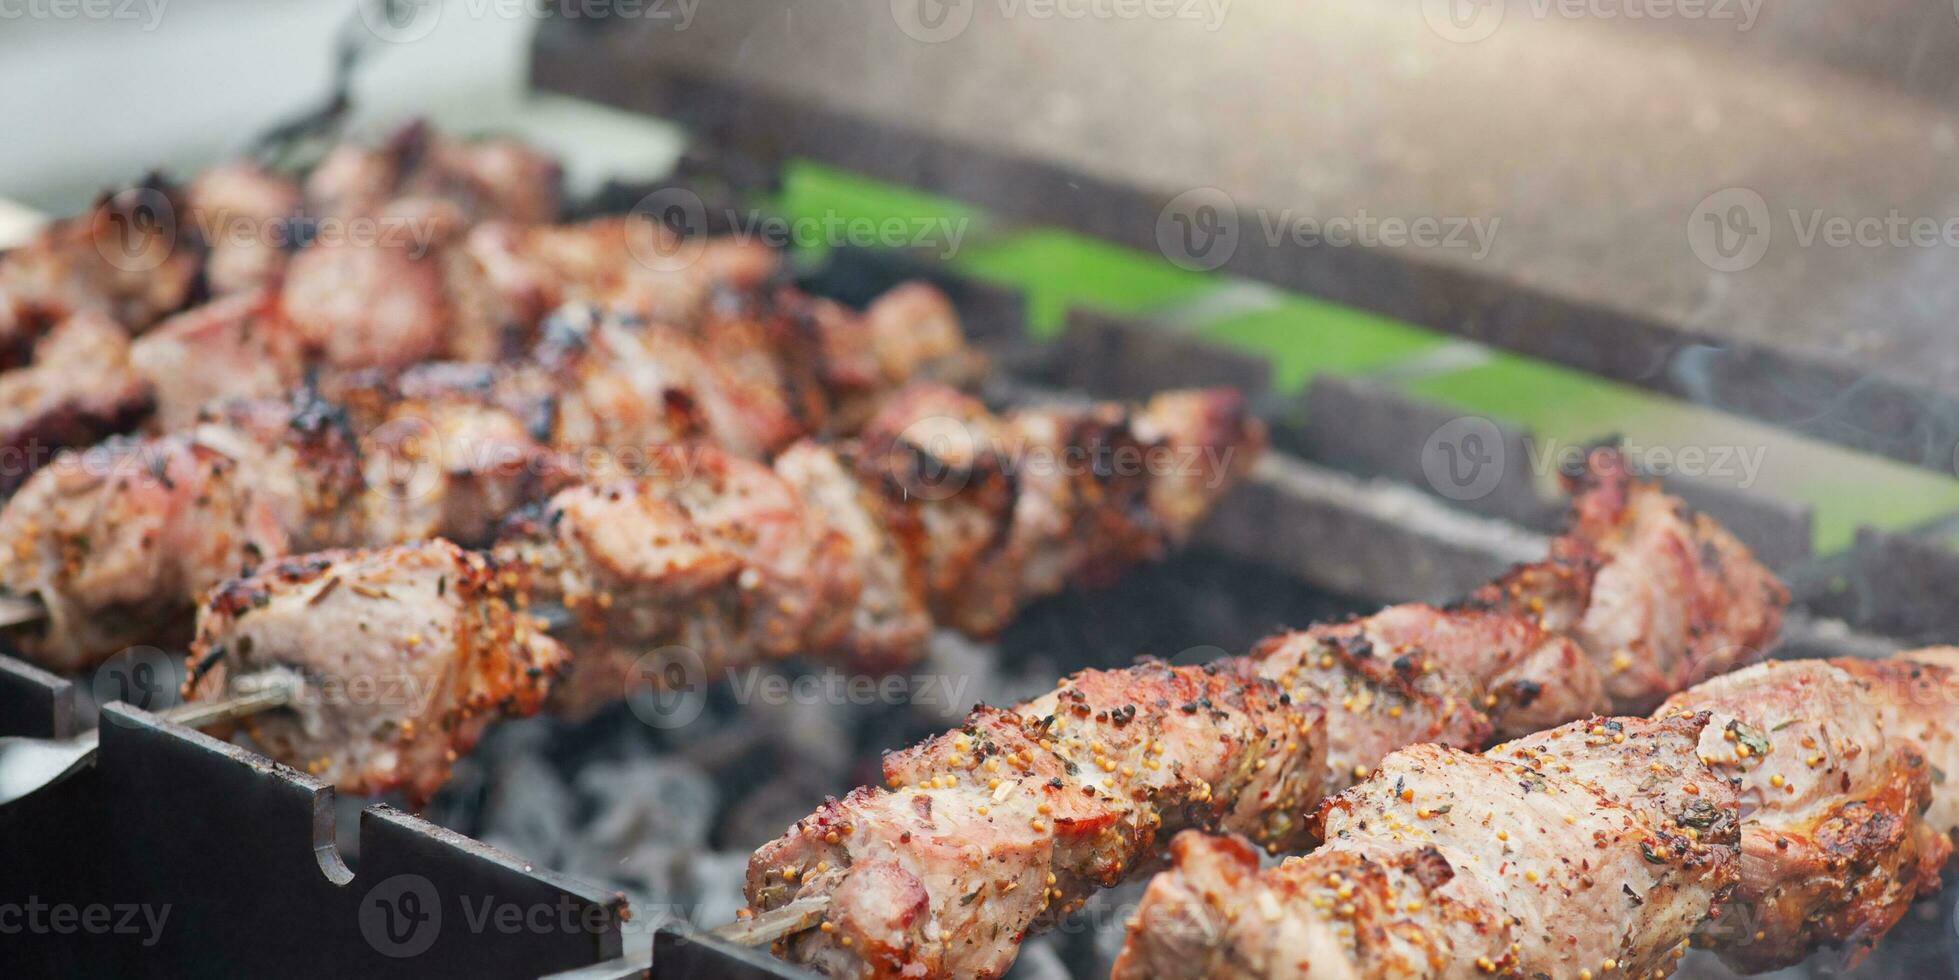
[
  {"x": 767, "y": 927},
  {"x": 17, "y": 610},
  {"x": 28, "y": 764}
]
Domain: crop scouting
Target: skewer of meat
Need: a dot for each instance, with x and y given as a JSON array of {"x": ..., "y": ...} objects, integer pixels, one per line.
[
  {"x": 114, "y": 544},
  {"x": 994, "y": 831},
  {"x": 123, "y": 259},
  {"x": 149, "y": 250},
  {"x": 819, "y": 367},
  {"x": 710, "y": 563},
  {"x": 80, "y": 384},
  {"x": 420, "y": 248},
  {"x": 141, "y": 255},
  {"x": 1781, "y": 809},
  {"x": 491, "y": 179}
]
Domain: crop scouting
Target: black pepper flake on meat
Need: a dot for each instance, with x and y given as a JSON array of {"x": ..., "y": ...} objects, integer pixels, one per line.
[
  {"x": 160, "y": 471},
  {"x": 1700, "y": 815},
  {"x": 212, "y": 658},
  {"x": 1636, "y": 900}
]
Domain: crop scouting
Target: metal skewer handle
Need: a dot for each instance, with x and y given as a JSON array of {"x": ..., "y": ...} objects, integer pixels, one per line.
[{"x": 767, "y": 927}]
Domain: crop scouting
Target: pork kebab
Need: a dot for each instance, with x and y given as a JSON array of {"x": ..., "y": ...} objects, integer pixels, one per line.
[
  {"x": 851, "y": 552},
  {"x": 72, "y": 299},
  {"x": 997, "y": 830},
  {"x": 148, "y": 250},
  {"x": 1788, "y": 807},
  {"x": 117, "y": 542},
  {"x": 408, "y": 275},
  {"x": 88, "y": 378}
]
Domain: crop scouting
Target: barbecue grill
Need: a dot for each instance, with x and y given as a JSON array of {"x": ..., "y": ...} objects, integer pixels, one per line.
[{"x": 1346, "y": 513}]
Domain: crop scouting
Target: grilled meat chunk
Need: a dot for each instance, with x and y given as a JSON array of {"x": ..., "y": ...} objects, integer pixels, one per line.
[
  {"x": 449, "y": 467},
  {"x": 1518, "y": 656},
  {"x": 621, "y": 382},
  {"x": 1914, "y": 694},
  {"x": 246, "y": 216},
  {"x": 1660, "y": 598},
  {"x": 1407, "y": 675},
  {"x": 149, "y": 250},
  {"x": 406, "y": 288},
  {"x": 706, "y": 551},
  {"x": 135, "y": 256},
  {"x": 117, "y": 540},
  {"x": 720, "y": 292},
  {"x": 403, "y": 657},
  {"x": 628, "y": 264},
  {"x": 1578, "y": 852},
  {"x": 1007, "y": 824},
  {"x": 404, "y": 294},
  {"x": 1791, "y": 805},
  {"x": 237, "y": 347},
  {"x": 911, "y": 333},
  {"x": 80, "y": 388},
  {"x": 481, "y": 180},
  {"x": 87, "y": 381},
  {"x": 1834, "y": 849},
  {"x": 1005, "y": 503},
  {"x": 1413, "y": 673},
  {"x": 739, "y": 563}
]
